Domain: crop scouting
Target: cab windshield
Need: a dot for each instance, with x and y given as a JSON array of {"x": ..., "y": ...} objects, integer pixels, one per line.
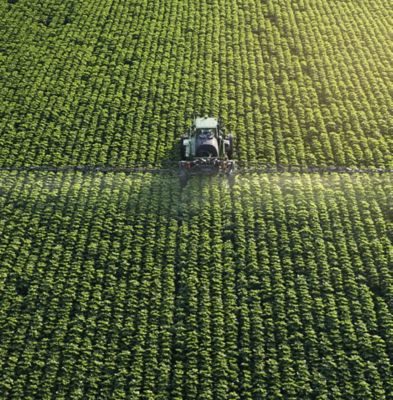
[{"x": 205, "y": 133}]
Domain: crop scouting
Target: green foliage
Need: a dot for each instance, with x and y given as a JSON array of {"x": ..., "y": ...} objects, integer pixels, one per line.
[
  {"x": 117, "y": 286},
  {"x": 132, "y": 287},
  {"x": 297, "y": 82}
]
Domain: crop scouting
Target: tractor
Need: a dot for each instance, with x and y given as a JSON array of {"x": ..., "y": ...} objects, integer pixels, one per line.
[{"x": 206, "y": 148}]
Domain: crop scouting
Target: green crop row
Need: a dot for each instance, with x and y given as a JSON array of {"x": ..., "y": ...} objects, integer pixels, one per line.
[
  {"x": 116, "y": 82},
  {"x": 265, "y": 287}
]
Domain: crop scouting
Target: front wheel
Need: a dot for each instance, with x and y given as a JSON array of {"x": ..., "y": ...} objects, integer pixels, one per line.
[{"x": 229, "y": 149}]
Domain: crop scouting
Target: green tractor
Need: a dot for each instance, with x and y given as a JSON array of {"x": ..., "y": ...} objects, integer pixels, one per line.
[{"x": 206, "y": 148}]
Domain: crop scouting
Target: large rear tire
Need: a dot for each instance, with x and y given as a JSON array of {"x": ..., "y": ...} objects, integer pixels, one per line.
[
  {"x": 230, "y": 147},
  {"x": 182, "y": 150}
]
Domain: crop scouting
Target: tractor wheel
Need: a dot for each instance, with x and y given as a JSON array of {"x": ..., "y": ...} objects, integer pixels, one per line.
[
  {"x": 182, "y": 150},
  {"x": 230, "y": 147}
]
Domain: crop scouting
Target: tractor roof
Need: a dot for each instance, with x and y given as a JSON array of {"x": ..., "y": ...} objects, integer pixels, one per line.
[{"x": 205, "y": 122}]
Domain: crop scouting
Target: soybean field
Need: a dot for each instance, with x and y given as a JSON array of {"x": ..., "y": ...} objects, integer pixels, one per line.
[
  {"x": 117, "y": 82},
  {"x": 119, "y": 281},
  {"x": 117, "y": 286}
]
